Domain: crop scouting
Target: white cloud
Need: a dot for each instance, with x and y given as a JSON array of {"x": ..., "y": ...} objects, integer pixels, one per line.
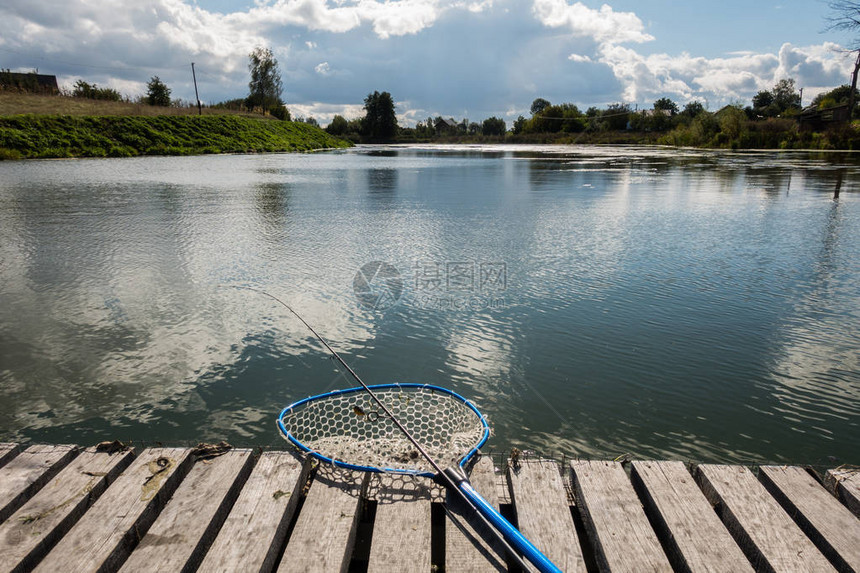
[
  {"x": 325, "y": 112},
  {"x": 720, "y": 80},
  {"x": 339, "y": 50},
  {"x": 823, "y": 65},
  {"x": 604, "y": 25}
]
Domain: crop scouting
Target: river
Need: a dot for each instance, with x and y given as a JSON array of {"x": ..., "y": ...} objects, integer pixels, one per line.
[{"x": 592, "y": 301}]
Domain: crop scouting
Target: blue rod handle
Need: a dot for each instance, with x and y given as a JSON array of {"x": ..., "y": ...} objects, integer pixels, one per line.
[{"x": 511, "y": 533}]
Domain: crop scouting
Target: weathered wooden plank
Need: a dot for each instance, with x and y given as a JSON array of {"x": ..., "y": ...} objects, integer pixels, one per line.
[
  {"x": 324, "y": 535},
  {"x": 22, "y": 477},
  {"x": 102, "y": 539},
  {"x": 186, "y": 527},
  {"x": 253, "y": 534},
  {"x": 7, "y": 452},
  {"x": 401, "y": 529},
  {"x": 695, "y": 538},
  {"x": 844, "y": 483},
  {"x": 466, "y": 546},
  {"x": 764, "y": 531},
  {"x": 32, "y": 530},
  {"x": 828, "y": 523},
  {"x": 614, "y": 519},
  {"x": 543, "y": 513}
]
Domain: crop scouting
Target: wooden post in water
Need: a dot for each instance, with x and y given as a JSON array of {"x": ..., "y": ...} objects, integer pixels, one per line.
[{"x": 838, "y": 184}]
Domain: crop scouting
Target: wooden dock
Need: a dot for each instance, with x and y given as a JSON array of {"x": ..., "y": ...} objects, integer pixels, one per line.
[{"x": 65, "y": 508}]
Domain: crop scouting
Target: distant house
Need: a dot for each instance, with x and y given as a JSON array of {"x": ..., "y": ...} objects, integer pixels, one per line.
[
  {"x": 657, "y": 112},
  {"x": 817, "y": 119},
  {"x": 446, "y": 125},
  {"x": 29, "y": 82}
]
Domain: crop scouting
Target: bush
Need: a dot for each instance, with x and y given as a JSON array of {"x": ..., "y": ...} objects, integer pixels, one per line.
[{"x": 91, "y": 91}]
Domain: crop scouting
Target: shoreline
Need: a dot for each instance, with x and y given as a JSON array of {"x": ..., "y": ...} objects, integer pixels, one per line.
[{"x": 63, "y": 136}]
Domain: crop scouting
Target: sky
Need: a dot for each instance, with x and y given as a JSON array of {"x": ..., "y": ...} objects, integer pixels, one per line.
[{"x": 456, "y": 58}]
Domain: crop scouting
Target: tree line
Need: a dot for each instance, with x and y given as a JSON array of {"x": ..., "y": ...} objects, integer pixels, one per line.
[{"x": 769, "y": 120}]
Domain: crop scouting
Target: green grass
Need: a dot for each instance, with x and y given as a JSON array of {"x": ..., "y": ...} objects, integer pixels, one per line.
[{"x": 48, "y": 136}]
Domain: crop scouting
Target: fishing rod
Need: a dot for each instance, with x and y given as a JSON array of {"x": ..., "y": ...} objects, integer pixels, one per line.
[{"x": 453, "y": 478}]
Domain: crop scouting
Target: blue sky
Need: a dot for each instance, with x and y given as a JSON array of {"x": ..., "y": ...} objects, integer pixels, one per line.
[{"x": 457, "y": 58}]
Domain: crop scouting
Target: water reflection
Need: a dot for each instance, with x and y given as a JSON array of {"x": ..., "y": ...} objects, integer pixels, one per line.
[
  {"x": 660, "y": 302},
  {"x": 382, "y": 181},
  {"x": 272, "y": 202}
]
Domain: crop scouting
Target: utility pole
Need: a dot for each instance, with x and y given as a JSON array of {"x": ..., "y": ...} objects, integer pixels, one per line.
[{"x": 196, "y": 95}]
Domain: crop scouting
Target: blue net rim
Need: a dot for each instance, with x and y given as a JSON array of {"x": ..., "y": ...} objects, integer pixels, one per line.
[{"x": 293, "y": 440}]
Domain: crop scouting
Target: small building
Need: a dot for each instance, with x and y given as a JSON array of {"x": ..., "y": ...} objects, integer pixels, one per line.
[
  {"x": 446, "y": 125},
  {"x": 28, "y": 82},
  {"x": 818, "y": 119}
]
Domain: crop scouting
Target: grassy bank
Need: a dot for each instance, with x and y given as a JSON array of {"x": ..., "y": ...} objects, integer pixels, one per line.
[
  {"x": 15, "y": 103},
  {"x": 43, "y": 136}
]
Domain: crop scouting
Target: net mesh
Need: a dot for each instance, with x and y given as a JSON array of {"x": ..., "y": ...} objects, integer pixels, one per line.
[{"x": 351, "y": 428}]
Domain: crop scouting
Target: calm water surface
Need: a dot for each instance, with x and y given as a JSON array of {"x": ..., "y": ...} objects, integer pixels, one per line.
[{"x": 591, "y": 301}]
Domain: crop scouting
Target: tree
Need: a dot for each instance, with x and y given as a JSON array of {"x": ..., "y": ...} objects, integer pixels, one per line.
[
  {"x": 519, "y": 124},
  {"x": 836, "y": 96},
  {"x": 785, "y": 96},
  {"x": 615, "y": 116},
  {"x": 265, "y": 86},
  {"x": 380, "y": 121},
  {"x": 846, "y": 17},
  {"x": 493, "y": 126},
  {"x": 665, "y": 104},
  {"x": 157, "y": 92},
  {"x": 338, "y": 125},
  {"x": 692, "y": 109},
  {"x": 539, "y": 105},
  {"x": 762, "y": 99}
]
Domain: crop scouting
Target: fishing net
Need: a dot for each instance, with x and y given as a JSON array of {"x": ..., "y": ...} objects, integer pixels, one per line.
[{"x": 350, "y": 429}]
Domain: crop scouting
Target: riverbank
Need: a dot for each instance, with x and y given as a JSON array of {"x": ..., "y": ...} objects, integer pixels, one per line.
[
  {"x": 761, "y": 135},
  {"x": 58, "y": 136}
]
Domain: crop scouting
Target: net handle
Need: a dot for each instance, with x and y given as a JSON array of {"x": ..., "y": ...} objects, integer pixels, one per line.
[{"x": 441, "y": 475}]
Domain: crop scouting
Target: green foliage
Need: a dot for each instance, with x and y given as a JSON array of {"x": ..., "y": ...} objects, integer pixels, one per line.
[
  {"x": 82, "y": 89},
  {"x": 539, "y": 105},
  {"x": 29, "y": 136},
  {"x": 265, "y": 87},
  {"x": 519, "y": 125},
  {"x": 237, "y": 104},
  {"x": 730, "y": 128},
  {"x": 665, "y": 104},
  {"x": 781, "y": 101},
  {"x": 693, "y": 108},
  {"x": 785, "y": 95},
  {"x": 615, "y": 117},
  {"x": 836, "y": 96},
  {"x": 762, "y": 99},
  {"x": 157, "y": 92},
  {"x": 493, "y": 126},
  {"x": 338, "y": 125},
  {"x": 280, "y": 111},
  {"x": 380, "y": 121}
]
